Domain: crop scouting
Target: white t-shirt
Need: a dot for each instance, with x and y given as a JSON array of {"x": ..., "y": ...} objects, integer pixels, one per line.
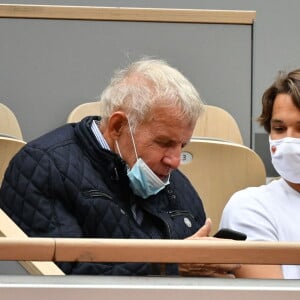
[{"x": 266, "y": 213}]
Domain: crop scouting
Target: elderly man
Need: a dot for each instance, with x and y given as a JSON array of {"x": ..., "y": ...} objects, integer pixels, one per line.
[{"x": 115, "y": 176}]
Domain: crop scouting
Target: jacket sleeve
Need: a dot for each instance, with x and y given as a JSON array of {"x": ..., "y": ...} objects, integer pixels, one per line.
[
  {"x": 116, "y": 269},
  {"x": 30, "y": 195},
  {"x": 34, "y": 196}
]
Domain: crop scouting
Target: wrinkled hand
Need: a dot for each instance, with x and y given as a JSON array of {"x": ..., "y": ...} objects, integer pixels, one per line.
[{"x": 207, "y": 270}]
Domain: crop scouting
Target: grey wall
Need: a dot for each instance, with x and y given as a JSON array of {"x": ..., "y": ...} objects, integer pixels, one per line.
[
  {"x": 276, "y": 44},
  {"x": 53, "y": 65}
]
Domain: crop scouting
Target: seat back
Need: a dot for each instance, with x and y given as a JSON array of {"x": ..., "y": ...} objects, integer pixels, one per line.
[
  {"x": 217, "y": 123},
  {"x": 214, "y": 122},
  {"x": 84, "y": 110},
  {"x": 8, "y": 148},
  {"x": 9, "y": 125},
  {"x": 218, "y": 169},
  {"x": 8, "y": 228}
]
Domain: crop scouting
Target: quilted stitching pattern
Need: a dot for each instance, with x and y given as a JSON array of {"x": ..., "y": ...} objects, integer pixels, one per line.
[{"x": 58, "y": 186}]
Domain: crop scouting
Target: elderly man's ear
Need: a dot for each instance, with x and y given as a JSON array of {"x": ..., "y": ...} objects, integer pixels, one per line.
[{"x": 116, "y": 124}]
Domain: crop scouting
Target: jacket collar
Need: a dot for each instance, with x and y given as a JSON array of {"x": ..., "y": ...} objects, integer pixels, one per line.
[{"x": 112, "y": 163}]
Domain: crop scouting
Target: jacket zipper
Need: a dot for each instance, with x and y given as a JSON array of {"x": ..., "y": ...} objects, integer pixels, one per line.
[
  {"x": 96, "y": 193},
  {"x": 175, "y": 213}
]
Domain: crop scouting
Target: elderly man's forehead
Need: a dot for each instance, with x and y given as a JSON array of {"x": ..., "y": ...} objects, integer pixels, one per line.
[{"x": 137, "y": 79}]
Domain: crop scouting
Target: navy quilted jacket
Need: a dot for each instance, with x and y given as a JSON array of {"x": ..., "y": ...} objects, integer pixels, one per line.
[{"x": 64, "y": 185}]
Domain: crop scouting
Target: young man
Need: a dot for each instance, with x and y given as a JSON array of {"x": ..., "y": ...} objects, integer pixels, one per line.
[{"x": 271, "y": 212}]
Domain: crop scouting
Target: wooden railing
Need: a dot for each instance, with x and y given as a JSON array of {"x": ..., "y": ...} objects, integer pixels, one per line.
[
  {"x": 164, "y": 251},
  {"x": 126, "y": 14}
]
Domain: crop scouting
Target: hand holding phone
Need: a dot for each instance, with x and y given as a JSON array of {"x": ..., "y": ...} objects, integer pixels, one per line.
[{"x": 226, "y": 233}]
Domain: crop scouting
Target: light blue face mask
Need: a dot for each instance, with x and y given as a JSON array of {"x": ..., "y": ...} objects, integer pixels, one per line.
[{"x": 143, "y": 181}]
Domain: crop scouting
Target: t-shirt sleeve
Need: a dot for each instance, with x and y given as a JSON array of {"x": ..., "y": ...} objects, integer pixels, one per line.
[{"x": 245, "y": 212}]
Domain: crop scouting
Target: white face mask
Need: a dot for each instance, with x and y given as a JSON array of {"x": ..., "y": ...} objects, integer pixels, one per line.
[{"x": 285, "y": 155}]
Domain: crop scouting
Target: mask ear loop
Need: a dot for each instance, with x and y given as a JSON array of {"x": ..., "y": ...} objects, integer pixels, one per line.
[
  {"x": 131, "y": 134},
  {"x": 117, "y": 145}
]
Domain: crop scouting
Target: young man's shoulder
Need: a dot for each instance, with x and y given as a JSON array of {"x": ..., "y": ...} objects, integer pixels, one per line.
[{"x": 255, "y": 196}]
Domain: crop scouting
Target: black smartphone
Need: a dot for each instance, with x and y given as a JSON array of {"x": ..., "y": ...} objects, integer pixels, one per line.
[{"x": 226, "y": 233}]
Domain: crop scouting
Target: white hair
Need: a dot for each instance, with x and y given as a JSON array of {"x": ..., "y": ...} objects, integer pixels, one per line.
[{"x": 145, "y": 83}]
